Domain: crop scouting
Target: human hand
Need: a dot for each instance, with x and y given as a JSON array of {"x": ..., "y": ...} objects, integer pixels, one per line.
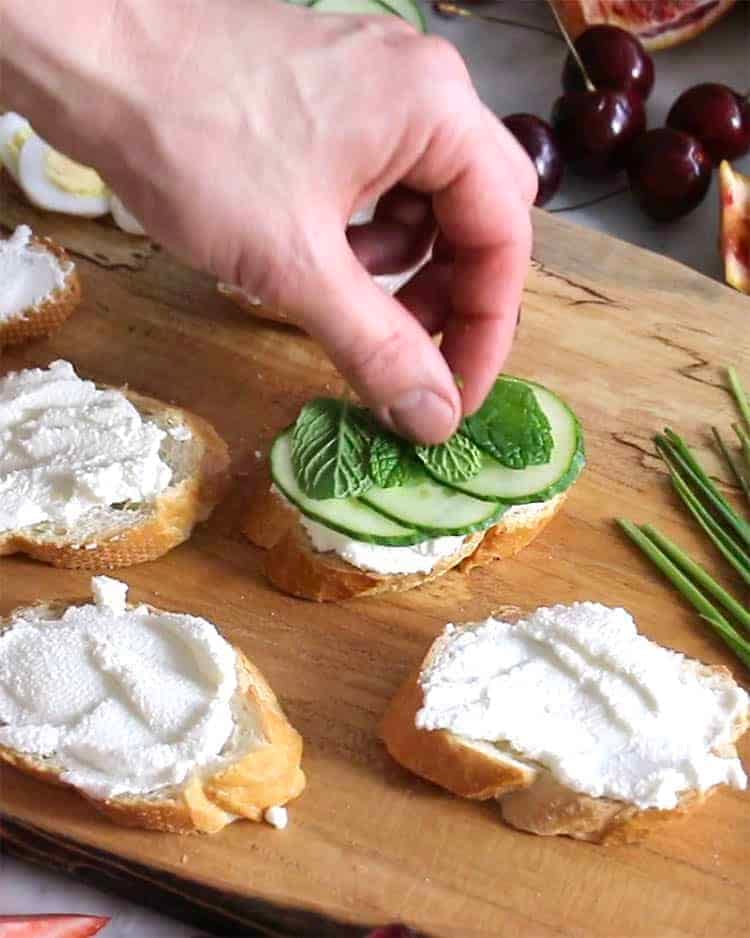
[{"x": 244, "y": 136}]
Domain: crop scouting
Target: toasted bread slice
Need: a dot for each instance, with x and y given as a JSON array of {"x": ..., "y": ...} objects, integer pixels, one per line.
[
  {"x": 50, "y": 311},
  {"x": 107, "y": 538},
  {"x": 530, "y": 798},
  {"x": 295, "y": 567},
  {"x": 254, "y": 779}
]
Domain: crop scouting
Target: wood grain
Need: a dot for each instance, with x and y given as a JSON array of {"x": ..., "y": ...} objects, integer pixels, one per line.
[{"x": 633, "y": 342}]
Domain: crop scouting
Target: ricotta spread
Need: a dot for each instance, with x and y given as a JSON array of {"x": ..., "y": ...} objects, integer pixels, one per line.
[
  {"x": 125, "y": 701},
  {"x": 29, "y": 274},
  {"x": 417, "y": 558},
  {"x": 67, "y": 447},
  {"x": 394, "y": 561},
  {"x": 576, "y": 688},
  {"x": 277, "y": 817}
]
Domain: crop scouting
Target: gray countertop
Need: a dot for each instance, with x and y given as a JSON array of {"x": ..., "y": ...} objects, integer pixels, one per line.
[{"x": 515, "y": 70}]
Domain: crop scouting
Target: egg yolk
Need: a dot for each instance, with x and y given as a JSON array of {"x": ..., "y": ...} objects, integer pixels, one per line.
[
  {"x": 73, "y": 177},
  {"x": 14, "y": 145}
]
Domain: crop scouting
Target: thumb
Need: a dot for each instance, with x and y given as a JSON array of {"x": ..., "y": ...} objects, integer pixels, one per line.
[{"x": 386, "y": 355}]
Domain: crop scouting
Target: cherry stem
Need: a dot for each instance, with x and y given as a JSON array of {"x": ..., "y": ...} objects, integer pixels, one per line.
[
  {"x": 573, "y": 51},
  {"x": 589, "y": 203},
  {"x": 452, "y": 9}
]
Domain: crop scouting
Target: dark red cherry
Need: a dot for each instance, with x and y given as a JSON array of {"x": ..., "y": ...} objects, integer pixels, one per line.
[
  {"x": 669, "y": 173},
  {"x": 538, "y": 139},
  {"x": 596, "y": 129},
  {"x": 717, "y": 116},
  {"x": 613, "y": 58}
]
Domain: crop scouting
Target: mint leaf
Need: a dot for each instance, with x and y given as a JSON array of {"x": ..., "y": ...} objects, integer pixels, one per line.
[
  {"x": 392, "y": 461},
  {"x": 511, "y": 426},
  {"x": 385, "y": 461},
  {"x": 456, "y": 460},
  {"x": 330, "y": 449}
]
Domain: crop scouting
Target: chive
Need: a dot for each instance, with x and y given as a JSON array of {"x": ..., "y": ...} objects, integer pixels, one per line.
[
  {"x": 743, "y": 482},
  {"x": 677, "y": 454},
  {"x": 698, "y": 573},
  {"x": 730, "y": 549},
  {"x": 732, "y": 638},
  {"x": 744, "y": 439},
  {"x": 739, "y": 395}
]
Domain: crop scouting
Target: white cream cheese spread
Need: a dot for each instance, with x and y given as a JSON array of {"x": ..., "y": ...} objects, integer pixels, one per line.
[
  {"x": 394, "y": 561},
  {"x": 277, "y": 816},
  {"x": 125, "y": 701},
  {"x": 417, "y": 558},
  {"x": 67, "y": 447},
  {"x": 578, "y": 690},
  {"x": 29, "y": 274}
]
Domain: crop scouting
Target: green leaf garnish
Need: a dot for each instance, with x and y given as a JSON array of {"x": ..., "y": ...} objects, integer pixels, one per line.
[
  {"x": 391, "y": 462},
  {"x": 456, "y": 460},
  {"x": 330, "y": 449},
  {"x": 511, "y": 426}
]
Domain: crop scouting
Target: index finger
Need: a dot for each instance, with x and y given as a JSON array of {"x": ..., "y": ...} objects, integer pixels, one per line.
[{"x": 480, "y": 207}]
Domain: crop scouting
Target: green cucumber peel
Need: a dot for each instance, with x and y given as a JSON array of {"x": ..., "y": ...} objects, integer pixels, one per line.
[{"x": 511, "y": 426}]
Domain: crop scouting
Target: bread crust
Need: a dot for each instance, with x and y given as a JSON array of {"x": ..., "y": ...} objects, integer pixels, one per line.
[
  {"x": 509, "y": 536},
  {"x": 46, "y": 317},
  {"x": 265, "y": 777},
  {"x": 296, "y": 568},
  {"x": 173, "y": 515},
  {"x": 530, "y": 798}
]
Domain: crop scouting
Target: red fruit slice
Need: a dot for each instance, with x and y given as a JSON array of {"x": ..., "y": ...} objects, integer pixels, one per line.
[
  {"x": 734, "y": 191},
  {"x": 51, "y": 926},
  {"x": 657, "y": 23}
]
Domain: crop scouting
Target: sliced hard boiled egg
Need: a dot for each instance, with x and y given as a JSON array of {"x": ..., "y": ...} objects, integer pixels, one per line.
[
  {"x": 14, "y": 132},
  {"x": 58, "y": 184},
  {"x": 123, "y": 218}
]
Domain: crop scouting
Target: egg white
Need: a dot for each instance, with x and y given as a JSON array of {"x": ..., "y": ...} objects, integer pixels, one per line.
[
  {"x": 124, "y": 218},
  {"x": 42, "y": 192},
  {"x": 10, "y": 125}
]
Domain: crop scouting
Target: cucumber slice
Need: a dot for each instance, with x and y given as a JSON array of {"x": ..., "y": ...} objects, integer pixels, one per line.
[
  {"x": 407, "y": 9},
  {"x": 349, "y": 516},
  {"x": 360, "y": 7},
  {"x": 495, "y": 482},
  {"x": 433, "y": 507}
]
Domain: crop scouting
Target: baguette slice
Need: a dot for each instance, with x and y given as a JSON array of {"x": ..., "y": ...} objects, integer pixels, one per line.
[
  {"x": 107, "y": 538},
  {"x": 52, "y": 310},
  {"x": 254, "y": 781},
  {"x": 296, "y": 568},
  {"x": 530, "y": 798}
]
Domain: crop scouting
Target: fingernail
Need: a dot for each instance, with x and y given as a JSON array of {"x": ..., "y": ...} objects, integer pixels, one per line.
[{"x": 423, "y": 415}]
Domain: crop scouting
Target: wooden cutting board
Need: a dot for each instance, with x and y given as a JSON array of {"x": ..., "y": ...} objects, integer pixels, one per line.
[{"x": 634, "y": 342}]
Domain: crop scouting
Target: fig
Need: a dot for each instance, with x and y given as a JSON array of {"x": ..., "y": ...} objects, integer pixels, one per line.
[
  {"x": 658, "y": 24},
  {"x": 734, "y": 192}
]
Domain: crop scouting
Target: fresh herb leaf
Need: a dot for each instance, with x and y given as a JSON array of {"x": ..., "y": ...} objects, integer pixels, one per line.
[
  {"x": 388, "y": 461},
  {"x": 330, "y": 449},
  {"x": 456, "y": 460},
  {"x": 511, "y": 426}
]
